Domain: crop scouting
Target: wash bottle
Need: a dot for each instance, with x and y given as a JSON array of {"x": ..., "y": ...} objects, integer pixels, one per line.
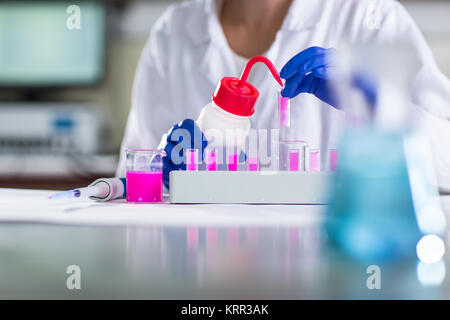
[{"x": 225, "y": 121}]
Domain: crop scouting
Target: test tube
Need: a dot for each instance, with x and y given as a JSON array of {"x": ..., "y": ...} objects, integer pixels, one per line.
[
  {"x": 294, "y": 159},
  {"x": 252, "y": 153},
  {"x": 314, "y": 160},
  {"x": 292, "y": 155},
  {"x": 284, "y": 111},
  {"x": 253, "y": 164},
  {"x": 334, "y": 156},
  {"x": 191, "y": 159},
  {"x": 232, "y": 161},
  {"x": 211, "y": 159}
]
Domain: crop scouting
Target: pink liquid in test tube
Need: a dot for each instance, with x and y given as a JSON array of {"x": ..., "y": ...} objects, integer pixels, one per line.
[
  {"x": 232, "y": 162},
  {"x": 314, "y": 160},
  {"x": 284, "y": 111},
  {"x": 211, "y": 161},
  {"x": 252, "y": 164},
  {"x": 294, "y": 159},
  {"x": 334, "y": 155},
  {"x": 192, "y": 160},
  {"x": 144, "y": 186}
]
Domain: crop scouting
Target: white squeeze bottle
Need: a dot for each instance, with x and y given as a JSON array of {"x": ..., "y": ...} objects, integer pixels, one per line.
[{"x": 225, "y": 121}]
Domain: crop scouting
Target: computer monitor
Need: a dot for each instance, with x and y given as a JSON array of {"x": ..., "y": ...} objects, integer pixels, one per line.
[{"x": 39, "y": 48}]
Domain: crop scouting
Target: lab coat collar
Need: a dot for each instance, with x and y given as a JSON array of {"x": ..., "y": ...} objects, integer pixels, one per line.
[{"x": 303, "y": 14}]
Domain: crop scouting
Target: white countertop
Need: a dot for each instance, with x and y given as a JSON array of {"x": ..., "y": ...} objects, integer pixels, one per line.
[{"x": 34, "y": 206}]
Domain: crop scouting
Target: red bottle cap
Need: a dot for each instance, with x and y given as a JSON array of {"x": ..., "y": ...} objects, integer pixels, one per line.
[{"x": 237, "y": 96}]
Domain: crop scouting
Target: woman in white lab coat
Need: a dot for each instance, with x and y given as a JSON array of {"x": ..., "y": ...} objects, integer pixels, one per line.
[{"x": 196, "y": 43}]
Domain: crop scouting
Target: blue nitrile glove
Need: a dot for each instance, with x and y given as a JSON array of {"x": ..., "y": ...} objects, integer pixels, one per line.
[
  {"x": 182, "y": 136},
  {"x": 310, "y": 71}
]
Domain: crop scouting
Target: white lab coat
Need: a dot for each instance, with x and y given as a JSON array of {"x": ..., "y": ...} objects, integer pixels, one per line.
[{"x": 187, "y": 54}]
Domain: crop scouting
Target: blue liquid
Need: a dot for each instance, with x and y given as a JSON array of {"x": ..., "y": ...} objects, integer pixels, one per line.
[{"x": 371, "y": 214}]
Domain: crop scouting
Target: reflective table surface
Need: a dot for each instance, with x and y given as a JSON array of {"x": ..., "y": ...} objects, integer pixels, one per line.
[{"x": 154, "y": 262}]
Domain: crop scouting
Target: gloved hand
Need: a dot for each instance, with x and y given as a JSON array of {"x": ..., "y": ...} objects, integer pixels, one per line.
[
  {"x": 310, "y": 71},
  {"x": 182, "y": 136}
]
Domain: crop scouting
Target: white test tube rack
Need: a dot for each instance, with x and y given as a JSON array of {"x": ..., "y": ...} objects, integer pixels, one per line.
[{"x": 252, "y": 187}]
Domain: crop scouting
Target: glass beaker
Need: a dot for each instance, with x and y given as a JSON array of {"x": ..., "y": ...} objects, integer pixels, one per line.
[
  {"x": 144, "y": 175},
  {"x": 292, "y": 155}
]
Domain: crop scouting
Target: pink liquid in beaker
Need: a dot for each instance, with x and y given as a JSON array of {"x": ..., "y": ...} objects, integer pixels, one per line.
[{"x": 144, "y": 186}]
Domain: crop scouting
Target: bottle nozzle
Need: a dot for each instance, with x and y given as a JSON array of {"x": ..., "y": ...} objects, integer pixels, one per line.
[{"x": 248, "y": 68}]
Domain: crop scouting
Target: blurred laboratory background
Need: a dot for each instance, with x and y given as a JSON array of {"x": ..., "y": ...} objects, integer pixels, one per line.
[{"x": 64, "y": 106}]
